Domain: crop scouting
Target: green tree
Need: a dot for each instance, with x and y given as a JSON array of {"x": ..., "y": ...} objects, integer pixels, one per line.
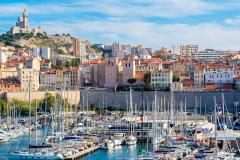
[
  {"x": 176, "y": 78},
  {"x": 48, "y": 102},
  {"x": 131, "y": 81},
  {"x": 147, "y": 80}
]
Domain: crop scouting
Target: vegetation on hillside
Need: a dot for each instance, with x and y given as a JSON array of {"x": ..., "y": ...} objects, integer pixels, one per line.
[{"x": 61, "y": 44}]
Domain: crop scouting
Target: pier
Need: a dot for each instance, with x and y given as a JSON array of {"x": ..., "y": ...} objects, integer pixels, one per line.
[{"x": 83, "y": 153}]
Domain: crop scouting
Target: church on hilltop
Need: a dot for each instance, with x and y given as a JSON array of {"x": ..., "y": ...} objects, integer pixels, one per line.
[{"x": 22, "y": 25}]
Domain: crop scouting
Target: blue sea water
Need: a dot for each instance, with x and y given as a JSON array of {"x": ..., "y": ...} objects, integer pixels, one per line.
[
  {"x": 117, "y": 153},
  {"x": 18, "y": 143}
]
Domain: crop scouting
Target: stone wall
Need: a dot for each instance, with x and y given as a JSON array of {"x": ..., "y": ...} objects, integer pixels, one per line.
[
  {"x": 23, "y": 96},
  {"x": 121, "y": 99}
]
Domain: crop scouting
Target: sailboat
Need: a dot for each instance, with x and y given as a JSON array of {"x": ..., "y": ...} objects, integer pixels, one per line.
[
  {"x": 131, "y": 140},
  {"x": 30, "y": 153}
]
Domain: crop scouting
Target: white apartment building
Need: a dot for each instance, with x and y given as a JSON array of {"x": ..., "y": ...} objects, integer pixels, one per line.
[
  {"x": 47, "y": 78},
  {"x": 29, "y": 74},
  {"x": 4, "y": 54},
  {"x": 36, "y": 52},
  {"x": 43, "y": 52},
  {"x": 218, "y": 74},
  {"x": 199, "y": 73},
  {"x": 161, "y": 79},
  {"x": 145, "y": 55},
  {"x": 209, "y": 55},
  {"x": 185, "y": 50},
  {"x": 149, "y": 66}
]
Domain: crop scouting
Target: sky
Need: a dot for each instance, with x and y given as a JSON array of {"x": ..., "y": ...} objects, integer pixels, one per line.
[{"x": 153, "y": 23}]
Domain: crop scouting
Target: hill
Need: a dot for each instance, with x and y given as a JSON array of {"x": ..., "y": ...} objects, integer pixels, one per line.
[{"x": 61, "y": 44}]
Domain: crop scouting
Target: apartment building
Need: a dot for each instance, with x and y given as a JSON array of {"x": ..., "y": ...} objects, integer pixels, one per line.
[
  {"x": 68, "y": 77},
  {"x": 218, "y": 74},
  {"x": 199, "y": 75},
  {"x": 161, "y": 79},
  {"x": 47, "y": 77},
  {"x": 185, "y": 50},
  {"x": 79, "y": 49},
  {"x": 29, "y": 76},
  {"x": 210, "y": 55}
]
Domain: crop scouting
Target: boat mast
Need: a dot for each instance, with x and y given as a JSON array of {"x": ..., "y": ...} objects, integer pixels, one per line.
[
  {"x": 223, "y": 109},
  {"x": 45, "y": 110},
  {"x": 36, "y": 122},
  {"x": 215, "y": 122},
  {"x": 75, "y": 113},
  {"x": 154, "y": 121},
  {"x": 142, "y": 107},
  {"x": 171, "y": 114},
  {"x": 29, "y": 111},
  {"x": 131, "y": 109}
]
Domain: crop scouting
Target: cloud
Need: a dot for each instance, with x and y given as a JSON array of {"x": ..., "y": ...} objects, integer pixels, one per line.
[
  {"x": 233, "y": 21},
  {"x": 157, "y": 8},
  {"x": 133, "y": 21},
  {"x": 207, "y": 35},
  {"x": 119, "y": 8}
]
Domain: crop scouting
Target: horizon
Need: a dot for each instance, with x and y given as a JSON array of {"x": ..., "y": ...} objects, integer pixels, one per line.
[{"x": 155, "y": 23}]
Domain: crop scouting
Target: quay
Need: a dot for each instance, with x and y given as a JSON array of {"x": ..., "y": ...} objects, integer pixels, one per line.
[{"x": 83, "y": 153}]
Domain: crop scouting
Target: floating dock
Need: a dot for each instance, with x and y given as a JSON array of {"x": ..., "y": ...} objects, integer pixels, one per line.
[{"x": 83, "y": 153}]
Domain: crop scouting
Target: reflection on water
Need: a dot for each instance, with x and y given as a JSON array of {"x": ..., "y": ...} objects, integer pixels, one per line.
[
  {"x": 117, "y": 153},
  {"x": 20, "y": 143}
]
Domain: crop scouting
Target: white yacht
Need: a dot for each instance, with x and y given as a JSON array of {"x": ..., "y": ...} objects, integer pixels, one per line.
[
  {"x": 118, "y": 139},
  {"x": 108, "y": 144},
  {"x": 131, "y": 140}
]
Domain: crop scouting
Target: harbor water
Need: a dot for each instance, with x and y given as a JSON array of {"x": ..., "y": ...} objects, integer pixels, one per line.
[{"x": 117, "y": 153}]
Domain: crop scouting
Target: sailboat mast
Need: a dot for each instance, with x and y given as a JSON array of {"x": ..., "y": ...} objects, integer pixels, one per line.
[
  {"x": 45, "y": 110},
  {"x": 36, "y": 122},
  {"x": 223, "y": 109},
  {"x": 131, "y": 108},
  {"x": 154, "y": 121},
  {"x": 29, "y": 101},
  {"x": 215, "y": 122},
  {"x": 171, "y": 113},
  {"x": 142, "y": 107}
]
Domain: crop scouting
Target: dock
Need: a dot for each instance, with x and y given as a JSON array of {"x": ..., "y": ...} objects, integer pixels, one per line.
[{"x": 83, "y": 153}]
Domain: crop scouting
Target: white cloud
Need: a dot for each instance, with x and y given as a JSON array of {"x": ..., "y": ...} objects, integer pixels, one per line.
[
  {"x": 158, "y": 8},
  {"x": 119, "y": 8},
  {"x": 233, "y": 21},
  {"x": 207, "y": 35}
]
